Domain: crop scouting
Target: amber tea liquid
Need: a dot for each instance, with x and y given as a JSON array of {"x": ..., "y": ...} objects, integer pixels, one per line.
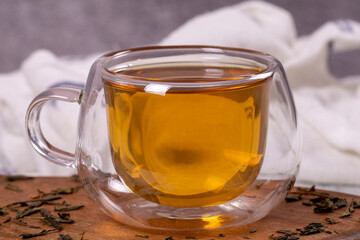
[{"x": 188, "y": 148}]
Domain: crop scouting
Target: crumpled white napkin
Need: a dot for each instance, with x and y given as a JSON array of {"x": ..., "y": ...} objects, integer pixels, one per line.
[
  {"x": 328, "y": 108},
  {"x": 39, "y": 71}
]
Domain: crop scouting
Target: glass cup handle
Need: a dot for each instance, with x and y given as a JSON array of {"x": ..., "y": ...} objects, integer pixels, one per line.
[{"x": 33, "y": 128}]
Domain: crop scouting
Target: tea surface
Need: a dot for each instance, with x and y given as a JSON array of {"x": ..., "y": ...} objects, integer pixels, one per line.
[{"x": 188, "y": 149}]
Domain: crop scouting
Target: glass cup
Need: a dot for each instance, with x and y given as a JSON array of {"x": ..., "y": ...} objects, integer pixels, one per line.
[{"x": 181, "y": 137}]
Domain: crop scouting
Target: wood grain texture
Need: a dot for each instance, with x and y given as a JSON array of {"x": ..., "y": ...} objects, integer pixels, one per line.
[{"x": 97, "y": 225}]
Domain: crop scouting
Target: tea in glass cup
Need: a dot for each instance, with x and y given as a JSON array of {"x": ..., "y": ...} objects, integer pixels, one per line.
[
  {"x": 181, "y": 137},
  {"x": 188, "y": 148}
]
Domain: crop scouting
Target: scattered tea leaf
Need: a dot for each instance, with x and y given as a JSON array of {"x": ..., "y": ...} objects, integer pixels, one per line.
[
  {"x": 19, "y": 222},
  {"x": 356, "y": 203},
  {"x": 50, "y": 218},
  {"x": 18, "y": 178},
  {"x": 284, "y": 237},
  {"x": 22, "y": 223},
  {"x": 350, "y": 208},
  {"x": 259, "y": 184},
  {"x": 12, "y": 187},
  {"x": 67, "y": 207},
  {"x": 312, "y": 228},
  {"x": 68, "y": 190},
  {"x": 293, "y": 198},
  {"x": 347, "y": 212},
  {"x": 64, "y": 237},
  {"x": 44, "y": 200},
  {"x": 7, "y": 219},
  {"x": 221, "y": 235},
  {"x": 42, "y": 233},
  {"x": 191, "y": 237},
  {"x": 142, "y": 235},
  {"x": 310, "y": 193},
  {"x": 76, "y": 178},
  {"x": 67, "y": 221},
  {"x": 3, "y": 212},
  {"x": 286, "y": 232},
  {"x": 308, "y": 203},
  {"x": 27, "y": 212},
  {"x": 246, "y": 237},
  {"x": 170, "y": 238},
  {"x": 80, "y": 236},
  {"x": 64, "y": 218},
  {"x": 324, "y": 206},
  {"x": 340, "y": 203},
  {"x": 252, "y": 230},
  {"x": 329, "y": 220}
]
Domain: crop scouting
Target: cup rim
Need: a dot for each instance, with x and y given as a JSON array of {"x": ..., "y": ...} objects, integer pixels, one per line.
[{"x": 123, "y": 79}]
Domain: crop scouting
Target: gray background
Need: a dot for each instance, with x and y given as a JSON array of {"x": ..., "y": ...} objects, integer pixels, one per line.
[{"x": 81, "y": 27}]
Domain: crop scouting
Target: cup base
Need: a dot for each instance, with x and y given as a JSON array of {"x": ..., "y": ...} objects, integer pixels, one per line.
[{"x": 120, "y": 203}]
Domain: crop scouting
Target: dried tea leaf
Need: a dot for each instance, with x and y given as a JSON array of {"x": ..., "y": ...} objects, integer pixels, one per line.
[
  {"x": 331, "y": 221},
  {"x": 340, "y": 203},
  {"x": 308, "y": 203},
  {"x": 64, "y": 218},
  {"x": 170, "y": 238},
  {"x": 80, "y": 236},
  {"x": 284, "y": 237},
  {"x": 7, "y": 219},
  {"x": 67, "y": 207},
  {"x": 312, "y": 228},
  {"x": 42, "y": 233},
  {"x": 259, "y": 184},
  {"x": 142, "y": 235},
  {"x": 293, "y": 198},
  {"x": 19, "y": 222},
  {"x": 44, "y": 200},
  {"x": 64, "y": 237},
  {"x": 221, "y": 235},
  {"x": 27, "y": 212},
  {"x": 22, "y": 223},
  {"x": 310, "y": 193},
  {"x": 252, "y": 230},
  {"x": 325, "y": 206},
  {"x": 286, "y": 232},
  {"x": 68, "y": 190},
  {"x": 50, "y": 218},
  {"x": 12, "y": 187},
  {"x": 190, "y": 237},
  {"x": 347, "y": 212},
  {"x": 356, "y": 203},
  {"x": 18, "y": 178},
  {"x": 76, "y": 178},
  {"x": 3, "y": 212},
  {"x": 67, "y": 221}
]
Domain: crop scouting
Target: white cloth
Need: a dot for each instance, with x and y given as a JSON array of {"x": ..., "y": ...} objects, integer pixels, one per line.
[
  {"x": 38, "y": 72},
  {"x": 328, "y": 108}
]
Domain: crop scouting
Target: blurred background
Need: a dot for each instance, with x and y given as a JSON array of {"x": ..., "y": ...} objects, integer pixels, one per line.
[{"x": 82, "y": 27}]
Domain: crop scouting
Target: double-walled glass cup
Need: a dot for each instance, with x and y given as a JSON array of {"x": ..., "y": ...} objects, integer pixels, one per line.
[{"x": 181, "y": 137}]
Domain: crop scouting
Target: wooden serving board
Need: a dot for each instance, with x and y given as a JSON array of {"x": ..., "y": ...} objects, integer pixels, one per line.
[{"x": 98, "y": 226}]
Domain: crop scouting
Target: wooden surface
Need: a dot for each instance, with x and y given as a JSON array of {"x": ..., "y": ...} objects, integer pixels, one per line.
[{"x": 97, "y": 225}]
